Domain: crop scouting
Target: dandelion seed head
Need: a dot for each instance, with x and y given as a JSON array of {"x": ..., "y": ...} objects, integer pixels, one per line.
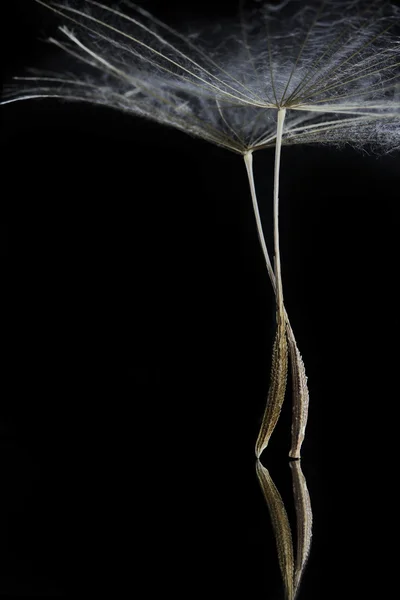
[{"x": 334, "y": 65}]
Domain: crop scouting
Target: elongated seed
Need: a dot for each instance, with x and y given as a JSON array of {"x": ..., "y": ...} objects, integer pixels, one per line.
[
  {"x": 277, "y": 387},
  {"x": 300, "y": 396}
]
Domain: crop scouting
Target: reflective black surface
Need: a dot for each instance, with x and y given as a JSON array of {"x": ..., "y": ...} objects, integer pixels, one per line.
[{"x": 138, "y": 328}]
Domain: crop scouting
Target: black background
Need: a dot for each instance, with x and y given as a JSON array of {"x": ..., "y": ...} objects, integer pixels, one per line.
[{"x": 137, "y": 324}]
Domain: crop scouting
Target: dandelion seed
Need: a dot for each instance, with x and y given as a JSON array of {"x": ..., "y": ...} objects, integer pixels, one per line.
[{"x": 319, "y": 72}]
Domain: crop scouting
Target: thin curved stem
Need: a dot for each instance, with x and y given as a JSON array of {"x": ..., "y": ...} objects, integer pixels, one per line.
[
  {"x": 248, "y": 160},
  {"x": 279, "y": 366},
  {"x": 277, "y": 258},
  {"x": 279, "y": 369}
]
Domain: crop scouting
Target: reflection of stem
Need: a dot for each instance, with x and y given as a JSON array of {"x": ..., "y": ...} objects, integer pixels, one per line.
[
  {"x": 300, "y": 390},
  {"x": 291, "y": 571}
]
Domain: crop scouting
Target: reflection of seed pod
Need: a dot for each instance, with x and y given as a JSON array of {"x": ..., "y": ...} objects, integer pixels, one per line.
[
  {"x": 304, "y": 521},
  {"x": 281, "y": 528}
]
